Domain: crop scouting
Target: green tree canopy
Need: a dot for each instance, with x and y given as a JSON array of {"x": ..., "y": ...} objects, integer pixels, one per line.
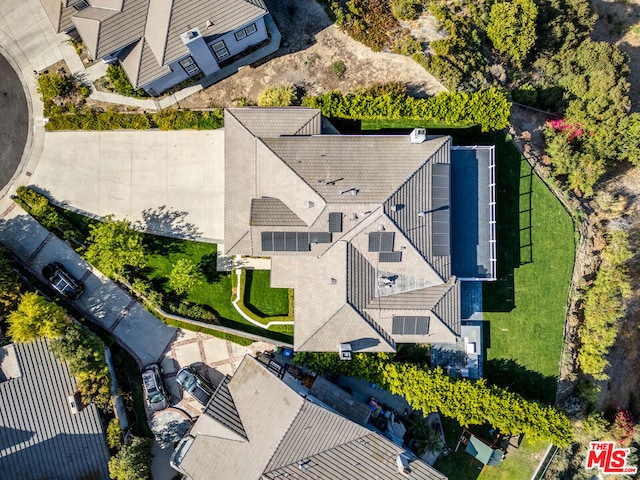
[
  {"x": 114, "y": 246},
  {"x": 36, "y": 317},
  {"x": 132, "y": 462},
  {"x": 185, "y": 276},
  {"x": 9, "y": 284},
  {"x": 512, "y": 28}
]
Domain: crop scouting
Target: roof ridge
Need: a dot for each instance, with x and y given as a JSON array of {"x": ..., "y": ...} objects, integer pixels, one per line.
[
  {"x": 323, "y": 324},
  {"x": 453, "y": 282},
  {"x": 308, "y": 122},
  {"x": 223, "y": 390},
  {"x": 284, "y": 433},
  {"x": 166, "y": 37}
]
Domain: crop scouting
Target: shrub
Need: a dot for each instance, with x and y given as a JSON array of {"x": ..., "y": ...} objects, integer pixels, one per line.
[
  {"x": 487, "y": 108},
  {"x": 172, "y": 119},
  {"x": 132, "y": 462},
  {"x": 367, "y": 21},
  {"x": 120, "y": 82},
  {"x": 281, "y": 96},
  {"x": 195, "y": 312},
  {"x": 52, "y": 85},
  {"x": 114, "y": 434},
  {"x": 407, "y": 45},
  {"x": 406, "y": 9},
  {"x": 184, "y": 276},
  {"x": 338, "y": 68}
]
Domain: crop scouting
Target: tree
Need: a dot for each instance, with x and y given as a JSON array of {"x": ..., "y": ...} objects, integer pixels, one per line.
[
  {"x": 114, "y": 246},
  {"x": 132, "y": 462},
  {"x": 36, "y": 317},
  {"x": 114, "y": 434},
  {"x": 84, "y": 352},
  {"x": 185, "y": 276},
  {"x": 512, "y": 28},
  {"x": 9, "y": 284}
]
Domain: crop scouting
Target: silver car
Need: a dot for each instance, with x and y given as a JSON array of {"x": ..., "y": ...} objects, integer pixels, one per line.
[
  {"x": 193, "y": 383},
  {"x": 154, "y": 389}
]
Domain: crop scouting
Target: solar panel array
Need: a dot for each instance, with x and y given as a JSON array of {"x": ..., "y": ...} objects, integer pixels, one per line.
[
  {"x": 390, "y": 256},
  {"x": 292, "y": 241},
  {"x": 440, "y": 208},
  {"x": 410, "y": 325},
  {"x": 335, "y": 222},
  {"x": 381, "y": 241}
]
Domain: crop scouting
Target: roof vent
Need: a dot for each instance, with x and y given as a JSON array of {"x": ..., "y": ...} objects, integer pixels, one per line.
[
  {"x": 381, "y": 228},
  {"x": 418, "y": 135},
  {"x": 209, "y": 24},
  {"x": 310, "y": 204},
  {"x": 354, "y": 216},
  {"x": 306, "y": 465},
  {"x": 403, "y": 465},
  {"x": 345, "y": 351},
  {"x": 332, "y": 281},
  {"x": 422, "y": 213}
]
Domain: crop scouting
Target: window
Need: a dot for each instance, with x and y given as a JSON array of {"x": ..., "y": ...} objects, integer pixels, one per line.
[
  {"x": 81, "y": 5},
  {"x": 220, "y": 49},
  {"x": 189, "y": 66},
  {"x": 246, "y": 31}
]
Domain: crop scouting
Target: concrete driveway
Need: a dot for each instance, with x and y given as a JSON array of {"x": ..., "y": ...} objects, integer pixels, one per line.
[
  {"x": 144, "y": 335},
  {"x": 170, "y": 181}
]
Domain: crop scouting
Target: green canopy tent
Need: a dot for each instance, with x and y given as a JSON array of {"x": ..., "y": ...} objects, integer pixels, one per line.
[{"x": 484, "y": 453}]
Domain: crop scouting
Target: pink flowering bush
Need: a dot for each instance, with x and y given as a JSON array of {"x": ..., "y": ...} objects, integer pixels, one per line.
[
  {"x": 560, "y": 125},
  {"x": 623, "y": 428}
]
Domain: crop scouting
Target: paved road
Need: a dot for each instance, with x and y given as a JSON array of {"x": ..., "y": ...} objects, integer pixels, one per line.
[{"x": 14, "y": 121}]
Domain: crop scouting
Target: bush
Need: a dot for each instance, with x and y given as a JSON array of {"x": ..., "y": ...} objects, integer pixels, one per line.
[
  {"x": 338, "y": 68},
  {"x": 52, "y": 85},
  {"x": 407, "y": 45},
  {"x": 114, "y": 434},
  {"x": 195, "y": 312},
  {"x": 132, "y": 462},
  {"x": 120, "y": 82},
  {"x": 172, "y": 119},
  {"x": 282, "y": 96},
  {"x": 184, "y": 276},
  {"x": 367, "y": 21},
  {"x": 406, "y": 9},
  {"x": 488, "y": 108}
]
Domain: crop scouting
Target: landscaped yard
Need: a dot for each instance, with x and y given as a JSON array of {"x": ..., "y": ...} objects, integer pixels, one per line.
[
  {"x": 261, "y": 298},
  {"x": 525, "y": 309}
]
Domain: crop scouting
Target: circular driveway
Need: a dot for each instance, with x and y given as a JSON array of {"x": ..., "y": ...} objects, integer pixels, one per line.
[{"x": 14, "y": 121}]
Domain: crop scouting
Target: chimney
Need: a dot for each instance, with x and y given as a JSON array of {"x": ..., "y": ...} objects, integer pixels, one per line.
[
  {"x": 402, "y": 463},
  {"x": 418, "y": 135}
]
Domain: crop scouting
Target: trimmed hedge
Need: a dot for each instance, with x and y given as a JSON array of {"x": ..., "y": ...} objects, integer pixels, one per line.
[
  {"x": 487, "y": 108},
  {"x": 169, "y": 119}
]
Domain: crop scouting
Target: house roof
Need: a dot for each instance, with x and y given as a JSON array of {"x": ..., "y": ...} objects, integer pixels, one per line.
[
  {"x": 288, "y": 435},
  {"x": 151, "y": 27},
  {"x": 358, "y": 225},
  {"x": 39, "y": 436}
]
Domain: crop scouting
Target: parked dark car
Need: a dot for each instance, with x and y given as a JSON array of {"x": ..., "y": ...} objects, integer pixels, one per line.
[
  {"x": 194, "y": 384},
  {"x": 154, "y": 388},
  {"x": 62, "y": 281}
]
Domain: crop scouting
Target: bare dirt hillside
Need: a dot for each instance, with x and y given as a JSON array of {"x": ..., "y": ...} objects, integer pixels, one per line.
[{"x": 311, "y": 44}]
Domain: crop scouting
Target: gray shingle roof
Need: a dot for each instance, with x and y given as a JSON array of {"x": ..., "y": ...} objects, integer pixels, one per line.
[
  {"x": 387, "y": 195},
  {"x": 222, "y": 409},
  {"x": 368, "y": 457},
  {"x": 39, "y": 436},
  {"x": 284, "y": 430},
  {"x": 273, "y": 212}
]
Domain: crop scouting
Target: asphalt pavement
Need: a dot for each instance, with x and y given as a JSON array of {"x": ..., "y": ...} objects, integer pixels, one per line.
[{"x": 14, "y": 121}]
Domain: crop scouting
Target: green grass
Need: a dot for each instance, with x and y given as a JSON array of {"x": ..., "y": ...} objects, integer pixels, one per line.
[
  {"x": 519, "y": 464},
  {"x": 264, "y": 300},
  {"x": 405, "y": 123},
  {"x": 525, "y": 309},
  {"x": 215, "y": 292}
]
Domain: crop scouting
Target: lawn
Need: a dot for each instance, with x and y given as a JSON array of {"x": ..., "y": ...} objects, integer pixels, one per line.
[
  {"x": 261, "y": 298},
  {"x": 525, "y": 310},
  {"x": 215, "y": 292},
  {"x": 404, "y": 124}
]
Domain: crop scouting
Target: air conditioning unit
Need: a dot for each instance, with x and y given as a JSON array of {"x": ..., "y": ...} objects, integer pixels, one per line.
[{"x": 345, "y": 351}]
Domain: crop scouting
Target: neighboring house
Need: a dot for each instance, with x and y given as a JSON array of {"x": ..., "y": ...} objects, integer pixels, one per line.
[
  {"x": 40, "y": 436},
  {"x": 161, "y": 43},
  {"x": 257, "y": 428},
  {"x": 373, "y": 232}
]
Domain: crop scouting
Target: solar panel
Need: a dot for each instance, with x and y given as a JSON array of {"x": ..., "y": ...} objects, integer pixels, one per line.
[
  {"x": 303, "y": 242},
  {"x": 267, "y": 241},
  {"x": 410, "y": 325},
  {"x": 390, "y": 256},
  {"x": 319, "y": 237},
  {"x": 440, "y": 207},
  {"x": 374, "y": 242},
  {"x": 335, "y": 222},
  {"x": 278, "y": 242}
]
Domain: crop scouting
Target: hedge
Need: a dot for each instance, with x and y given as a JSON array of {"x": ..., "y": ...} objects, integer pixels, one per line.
[
  {"x": 169, "y": 119},
  {"x": 487, "y": 108}
]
